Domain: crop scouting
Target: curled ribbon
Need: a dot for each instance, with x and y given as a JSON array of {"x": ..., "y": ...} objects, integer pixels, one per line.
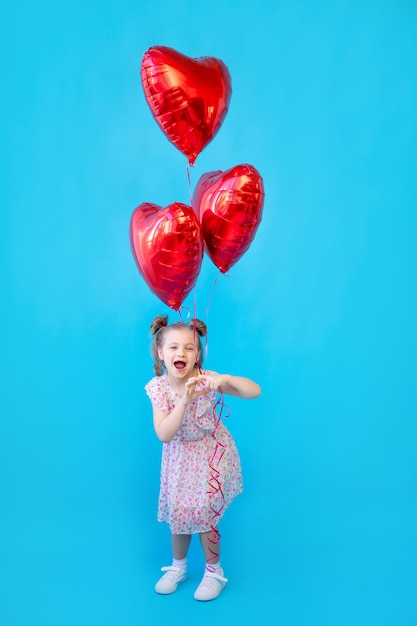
[
  {"x": 214, "y": 484},
  {"x": 220, "y": 410}
]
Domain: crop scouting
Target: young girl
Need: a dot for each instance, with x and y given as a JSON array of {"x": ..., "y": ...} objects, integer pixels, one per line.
[{"x": 200, "y": 469}]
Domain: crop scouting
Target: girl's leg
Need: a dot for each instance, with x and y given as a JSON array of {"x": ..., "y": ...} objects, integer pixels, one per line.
[
  {"x": 176, "y": 573},
  {"x": 180, "y": 545},
  {"x": 213, "y": 580},
  {"x": 210, "y": 542}
]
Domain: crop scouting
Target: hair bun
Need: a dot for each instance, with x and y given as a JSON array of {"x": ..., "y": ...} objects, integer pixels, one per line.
[
  {"x": 199, "y": 326},
  {"x": 159, "y": 322}
]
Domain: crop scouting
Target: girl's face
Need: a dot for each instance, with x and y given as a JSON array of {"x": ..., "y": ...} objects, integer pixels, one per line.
[{"x": 179, "y": 353}]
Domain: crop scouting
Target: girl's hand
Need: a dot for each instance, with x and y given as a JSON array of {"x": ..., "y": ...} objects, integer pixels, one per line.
[
  {"x": 233, "y": 385},
  {"x": 194, "y": 387},
  {"x": 214, "y": 381},
  {"x": 226, "y": 383}
]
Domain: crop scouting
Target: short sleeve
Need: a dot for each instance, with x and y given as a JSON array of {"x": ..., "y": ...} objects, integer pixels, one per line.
[{"x": 156, "y": 391}]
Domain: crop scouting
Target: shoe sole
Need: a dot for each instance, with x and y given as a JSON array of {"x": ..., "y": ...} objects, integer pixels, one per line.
[{"x": 208, "y": 599}]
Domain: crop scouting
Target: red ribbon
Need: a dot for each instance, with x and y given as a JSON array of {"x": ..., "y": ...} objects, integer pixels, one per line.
[{"x": 214, "y": 483}]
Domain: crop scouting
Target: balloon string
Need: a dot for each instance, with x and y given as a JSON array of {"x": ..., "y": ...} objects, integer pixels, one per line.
[
  {"x": 187, "y": 169},
  {"x": 198, "y": 364},
  {"x": 207, "y": 313},
  {"x": 188, "y": 313},
  {"x": 214, "y": 483},
  {"x": 215, "y": 488}
]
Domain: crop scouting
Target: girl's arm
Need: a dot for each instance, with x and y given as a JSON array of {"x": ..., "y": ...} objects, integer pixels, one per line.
[
  {"x": 232, "y": 385},
  {"x": 168, "y": 424}
]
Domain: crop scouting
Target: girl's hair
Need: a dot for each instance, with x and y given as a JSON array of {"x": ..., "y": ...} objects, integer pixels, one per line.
[{"x": 159, "y": 328}]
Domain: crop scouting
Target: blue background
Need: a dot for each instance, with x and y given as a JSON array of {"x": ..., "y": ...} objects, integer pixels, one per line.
[{"x": 321, "y": 311}]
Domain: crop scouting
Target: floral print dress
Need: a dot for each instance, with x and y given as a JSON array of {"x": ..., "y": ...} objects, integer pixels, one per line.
[{"x": 200, "y": 468}]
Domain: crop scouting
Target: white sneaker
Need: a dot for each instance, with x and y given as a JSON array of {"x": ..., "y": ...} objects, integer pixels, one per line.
[
  {"x": 211, "y": 586},
  {"x": 169, "y": 582}
]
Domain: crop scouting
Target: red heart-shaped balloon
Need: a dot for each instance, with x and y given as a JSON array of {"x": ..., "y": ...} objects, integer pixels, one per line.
[
  {"x": 168, "y": 248},
  {"x": 189, "y": 98},
  {"x": 229, "y": 205}
]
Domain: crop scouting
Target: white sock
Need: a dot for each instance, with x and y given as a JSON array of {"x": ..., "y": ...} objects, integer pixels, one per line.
[{"x": 182, "y": 563}]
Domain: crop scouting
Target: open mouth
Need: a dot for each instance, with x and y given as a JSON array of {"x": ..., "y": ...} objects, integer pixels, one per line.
[{"x": 179, "y": 365}]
